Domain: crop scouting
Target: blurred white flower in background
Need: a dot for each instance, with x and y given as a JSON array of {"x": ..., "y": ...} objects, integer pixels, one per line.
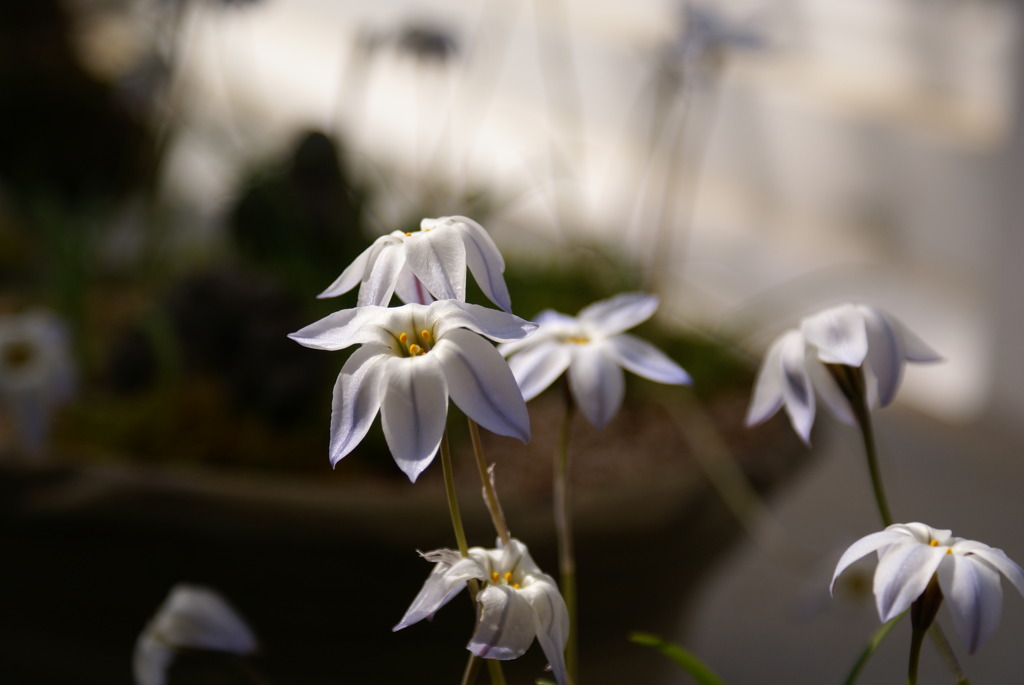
[
  {"x": 191, "y": 618},
  {"x": 856, "y": 336},
  {"x": 36, "y": 373},
  {"x": 594, "y": 348}
]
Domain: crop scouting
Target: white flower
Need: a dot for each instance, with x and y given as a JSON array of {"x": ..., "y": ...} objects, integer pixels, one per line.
[
  {"x": 427, "y": 264},
  {"x": 593, "y": 347},
  {"x": 517, "y": 602},
  {"x": 412, "y": 359},
  {"x": 36, "y": 372},
  {"x": 192, "y": 617},
  {"x": 849, "y": 335},
  {"x": 968, "y": 573}
]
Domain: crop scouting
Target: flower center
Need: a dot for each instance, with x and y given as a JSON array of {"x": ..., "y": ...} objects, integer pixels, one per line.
[
  {"x": 576, "y": 339},
  {"x": 17, "y": 354},
  {"x": 503, "y": 579},
  {"x": 416, "y": 344}
]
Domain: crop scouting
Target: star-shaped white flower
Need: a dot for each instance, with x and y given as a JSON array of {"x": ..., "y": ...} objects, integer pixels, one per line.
[
  {"x": 427, "y": 264},
  {"x": 192, "y": 617},
  {"x": 594, "y": 349},
  {"x": 968, "y": 573},
  {"x": 412, "y": 359},
  {"x": 850, "y": 335},
  {"x": 517, "y": 602},
  {"x": 36, "y": 372}
]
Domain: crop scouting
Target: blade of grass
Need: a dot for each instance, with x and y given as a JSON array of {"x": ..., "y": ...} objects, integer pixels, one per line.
[{"x": 684, "y": 659}]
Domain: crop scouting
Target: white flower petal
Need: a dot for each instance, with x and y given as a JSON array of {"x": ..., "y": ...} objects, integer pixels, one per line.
[
  {"x": 646, "y": 360},
  {"x": 482, "y": 385},
  {"x": 537, "y": 367},
  {"x": 551, "y": 622},
  {"x": 410, "y": 289},
  {"x": 829, "y": 390},
  {"x": 357, "y": 396},
  {"x": 797, "y": 389},
  {"x": 975, "y": 597},
  {"x": 438, "y": 258},
  {"x": 413, "y": 411},
  {"x": 997, "y": 558},
  {"x": 549, "y": 317},
  {"x": 839, "y": 334},
  {"x": 345, "y": 328},
  {"x": 192, "y": 617},
  {"x": 497, "y": 325},
  {"x": 444, "y": 583},
  {"x": 619, "y": 313},
  {"x": 885, "y": 355},
  {"x": 767, "y": 397},
  {"x": 902, "y": 575},
  {"x": 506, "y": 627},
  {"x": 356, "y": 271},
  {"x": 861, "y": 548},
  {"x": 484, "y": 261},
  {"x": 915, "y": 349},
  {"x": 379, "y": 285},
  {"x": 597, "y": 383}
]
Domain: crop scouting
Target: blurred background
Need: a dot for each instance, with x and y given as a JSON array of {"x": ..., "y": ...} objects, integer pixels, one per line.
[{"x": 180, "y": 178}]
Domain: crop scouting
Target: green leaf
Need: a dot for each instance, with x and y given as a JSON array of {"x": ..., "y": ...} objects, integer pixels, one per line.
[{"x": 684, "y": 659}]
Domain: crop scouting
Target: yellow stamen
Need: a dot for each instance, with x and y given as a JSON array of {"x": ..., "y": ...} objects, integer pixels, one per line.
[
  {"x": 508, "y": 576},
  {"x": 949, "y": 550},
  {"x": 425, "y": 334},
  {"x": 578, "y": 339},
  {"x": 934, "y": 543},
  {"x": 403, "y": 338},
  {"x": 515, "y": 586},
  {"x": 494, "y": 576},
  {"x": 408, "y": 234},
  {"x": 415, "y": 349}
]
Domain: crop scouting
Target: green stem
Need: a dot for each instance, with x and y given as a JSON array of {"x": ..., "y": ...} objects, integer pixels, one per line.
[
  {"x": 493, "y": 667},
  {"x": 494, "y": 670},
  {"x": 453, "y": 500},
  {"x": 876, "y": 475},
  {"x": 490, "y": 496},
  {"x": 873, "y": 644},
  {"x": 472, "y": 667},
  {"x": 916, "y": 638},
  {"x": 851, "y": 382},
  {"x": 563, "y": 533}
]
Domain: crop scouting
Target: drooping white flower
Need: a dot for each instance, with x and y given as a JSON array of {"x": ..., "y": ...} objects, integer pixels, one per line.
[
  {"x": 412, "y": 359},
  {"x": 192, "y": 617},
  {"x": 428, "y": 264},
  {"x": 517, "y": 602},
  {"x": 36, "y": 373},
  {"x": 968, "y": 575},
  {"x": 856, "y": 336},
  {"x": 594, "y": 349}
]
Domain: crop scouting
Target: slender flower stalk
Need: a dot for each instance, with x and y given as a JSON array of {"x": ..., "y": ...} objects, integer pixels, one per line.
[
  {"x": 850, "y": 380},
  {"x": 564, "y": 535},
  {"x": 487, "y": 484}
]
